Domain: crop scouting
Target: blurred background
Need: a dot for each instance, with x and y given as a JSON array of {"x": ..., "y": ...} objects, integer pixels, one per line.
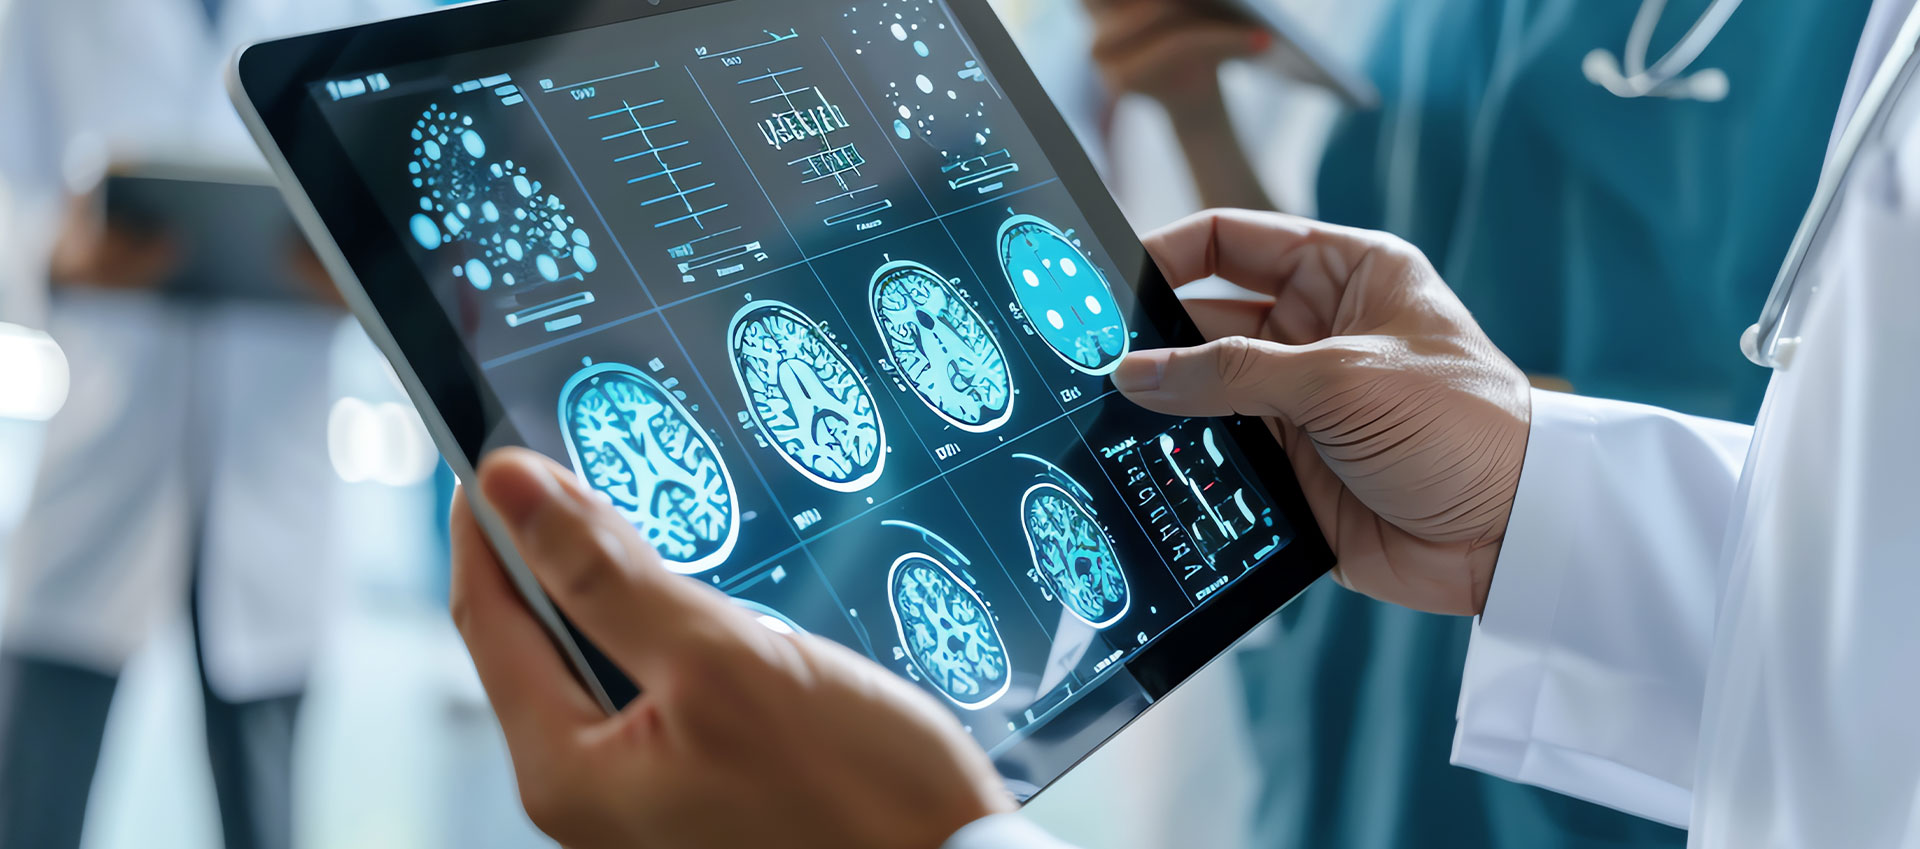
[{"x": 192, "y": 657}]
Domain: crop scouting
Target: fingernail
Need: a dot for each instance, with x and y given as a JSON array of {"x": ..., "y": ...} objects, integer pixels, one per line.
[
  {"x": 1141, "y": 373},
  {"x": 518, "y": 488}
]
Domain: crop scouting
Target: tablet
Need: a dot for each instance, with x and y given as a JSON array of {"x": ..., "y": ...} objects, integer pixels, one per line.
[
  {"x": 237, "y": 241},
  {"x": 824, "y": 298}
]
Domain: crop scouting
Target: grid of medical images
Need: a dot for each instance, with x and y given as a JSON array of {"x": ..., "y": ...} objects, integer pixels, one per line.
[{"x": 794, "y": 289}]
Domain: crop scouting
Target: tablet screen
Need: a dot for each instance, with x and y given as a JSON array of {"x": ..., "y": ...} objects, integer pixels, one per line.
[{"x": 793, "y": 287}]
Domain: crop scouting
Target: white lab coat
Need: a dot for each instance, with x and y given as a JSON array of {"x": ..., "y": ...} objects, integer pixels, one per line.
[
  {"x": 103, "y": 554},
  {"x": 1713, "y": 625}
]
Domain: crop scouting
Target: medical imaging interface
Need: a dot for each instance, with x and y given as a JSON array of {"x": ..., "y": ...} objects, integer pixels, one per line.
[{"x": 792, "y": 287}]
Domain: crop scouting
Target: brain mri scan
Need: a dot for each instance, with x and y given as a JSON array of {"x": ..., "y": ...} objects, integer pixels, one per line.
[
  {"x": 942, "y": 346},
  {"x": 947, "y": 632},
  {"x": 1074, "y": 555},
  {"x": 632, "y": 441},
  {"x": 516, "y": 233},
  {"x": 1064, "y": 295},
  {"x": 807, "y": 397},
  {"x": 772, "y": 620}
]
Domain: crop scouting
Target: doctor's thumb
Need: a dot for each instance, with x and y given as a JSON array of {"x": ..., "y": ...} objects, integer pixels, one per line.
[{"x": 1234, "y": 376}]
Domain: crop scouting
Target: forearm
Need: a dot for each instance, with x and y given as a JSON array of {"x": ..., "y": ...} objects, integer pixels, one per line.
[
  {"x": 1222, "y": 171},
  {"x": 1587, "y": 672}
]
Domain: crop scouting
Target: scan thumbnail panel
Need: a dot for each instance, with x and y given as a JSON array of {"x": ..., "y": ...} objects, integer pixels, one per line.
[
  {"x": 667, "y": 177},
  {"x": 819, "y": 153},
  {"x": 1192, "y": 489},
  {"x": 942, "y": 344},
  {"x": 505, "y": 236},
  {"x": 944, "y": 114},
  {"x": 943, "y": 612},
  {"x": 1077, "y": 550},
  {"x": 1072, "y": 311},
  {"x": 827, "y": 433},
  {"x": 628, "y": 413}
]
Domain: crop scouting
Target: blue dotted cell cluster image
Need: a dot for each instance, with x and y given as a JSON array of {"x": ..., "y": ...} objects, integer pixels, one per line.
[
  {"x": 942, "y": 346},
  {"x": 941, "y": 94},
  {"x": 1074, "y": 555},
  {"x": 807, "y": 397},
  {"x": 632, "y": 441},
  {"x": 514, "y": 232},
  {"x": 1064, "y": 295},
  {"x": 947, "y": 632}
]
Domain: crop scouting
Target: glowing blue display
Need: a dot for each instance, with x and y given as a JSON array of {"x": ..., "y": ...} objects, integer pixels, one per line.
[
  {"x": 942, "y": 346},
  {"x": 807, "y": 397},
  {"x": 945, "y": 629},
  {"x": 1064, "y": 295},
  {"x": 633, "y": 442},
  {"x": 1074, "y": 555},
  {"x": 515, "y": 231}
]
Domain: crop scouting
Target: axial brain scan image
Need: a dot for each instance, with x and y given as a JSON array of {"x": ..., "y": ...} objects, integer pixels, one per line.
[
  {"x": 1074, "y": 555},
  {"x": 632, "y": 441},
  {"x": 807, "y": 397},
  {"x": 947, "y": 632},
  {"x": 942, "y": 346},
  {"x": 1064, "y": 295}
]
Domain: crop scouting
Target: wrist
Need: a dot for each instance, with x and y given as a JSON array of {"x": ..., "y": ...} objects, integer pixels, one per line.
[{"x": 1200, "y": 108}]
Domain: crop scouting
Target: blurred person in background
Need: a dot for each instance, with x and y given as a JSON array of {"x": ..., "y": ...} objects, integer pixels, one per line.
[
  {"x": 1615, "y": 246},
  {"x": 188, "y": 470}
]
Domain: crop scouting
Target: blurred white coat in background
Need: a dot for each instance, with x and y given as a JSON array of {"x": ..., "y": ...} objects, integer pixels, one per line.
[{"x": 104, "y": 553}]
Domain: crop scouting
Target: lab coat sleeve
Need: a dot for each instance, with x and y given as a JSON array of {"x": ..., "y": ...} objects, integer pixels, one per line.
[
  {"x": 1006, "y": 831},
  {"x": 1587, "y": 673}
]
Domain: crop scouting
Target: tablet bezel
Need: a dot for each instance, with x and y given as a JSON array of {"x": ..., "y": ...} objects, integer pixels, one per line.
[{"x": 367, "y": 257}]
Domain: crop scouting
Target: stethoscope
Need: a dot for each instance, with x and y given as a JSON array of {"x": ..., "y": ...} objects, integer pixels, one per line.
[
  {"x": 1771, "y": 341},
  {"x": 1629, "y": 76}
]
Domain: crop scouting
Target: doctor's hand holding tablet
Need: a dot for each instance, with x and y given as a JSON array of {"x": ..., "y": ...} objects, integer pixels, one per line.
[
  {"x": 1406, "y": 426},
  {"x": 1645, "y": 644},
  {"x": 744, "y": 736}
]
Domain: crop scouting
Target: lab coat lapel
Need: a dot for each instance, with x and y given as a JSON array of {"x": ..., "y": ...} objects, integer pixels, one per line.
[{"x": 1807, "y": 738}]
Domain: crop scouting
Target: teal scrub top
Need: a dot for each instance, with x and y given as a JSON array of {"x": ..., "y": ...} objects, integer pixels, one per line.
[{"x": 1622, "y": 245}]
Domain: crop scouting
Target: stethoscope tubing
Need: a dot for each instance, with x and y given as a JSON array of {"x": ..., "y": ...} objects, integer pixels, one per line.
[{"x": 1766, "y": 343}]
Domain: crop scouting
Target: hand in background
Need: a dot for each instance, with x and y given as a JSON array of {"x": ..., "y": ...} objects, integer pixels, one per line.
[
  {"x": 743, "y": 737},
  {"x": 1172, "y": 50},
  {"x": 91, "y": 251},
  {"x": 1406, "y": 426}
]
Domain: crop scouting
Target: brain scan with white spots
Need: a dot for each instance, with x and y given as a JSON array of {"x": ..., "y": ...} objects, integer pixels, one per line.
[
  {"x": 633, "y": 442},
  {"x": 1074, "y": 556},
  {"x": 942, "y": 346},
  {"x": 506, "y": 229},
  {"x": 947, "y": 631},
  {"x": 1064, "y": 295},
  {"x": 807, "y": 397}
]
